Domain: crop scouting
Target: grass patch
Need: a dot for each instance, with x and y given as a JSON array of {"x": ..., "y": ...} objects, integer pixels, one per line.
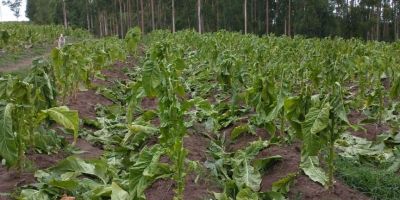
[
  {"x": 374, "y": 181},
  {"x": 10, "y": 57}
]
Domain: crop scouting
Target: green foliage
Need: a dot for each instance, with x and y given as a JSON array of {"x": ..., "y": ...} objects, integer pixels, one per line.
[
  {"x": 63, "y": 116},
  {"x": 208, "y": 85},
  {"x": 8, "y": 144},
  {"x": 375, "y": 181},
  {"x": 16, "y": 37},
  {"x": 132, "y": 39}
]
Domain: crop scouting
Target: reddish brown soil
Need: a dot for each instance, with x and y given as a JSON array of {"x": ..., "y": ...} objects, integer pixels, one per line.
[
  {"x": 85, "y": 102},
  {"x": 163, "y": 189},
  {"x": 149, "y": 103},
  {"x": 197, "y": 147},
  {"x": 305, "y": 188},
  {"x": 244, "y": 139},
  {"x": 115, "y": 72},
  {"x": 289, "y": 163},
  {"x": 10, "y": 179},
  {"x": 88, "y": 150},
  {"x": 371, "y": 130}
]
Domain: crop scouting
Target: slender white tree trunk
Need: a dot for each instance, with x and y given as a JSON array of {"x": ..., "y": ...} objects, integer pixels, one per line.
[
  {"x": 267, "y": 16},
  {"x": 65, "y": 15},
  {"x": 290, "y": 18},
  {"x": 245, "y": 16},
  {"x": 173, "y": 16},
  {"x": 153, "y": 24},
  {"x": 142, "y": 15},
  {"x": 199, "y": 15}
]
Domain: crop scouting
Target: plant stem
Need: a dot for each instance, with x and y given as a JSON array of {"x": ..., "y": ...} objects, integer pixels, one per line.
[{"x": 331, "y": 152}]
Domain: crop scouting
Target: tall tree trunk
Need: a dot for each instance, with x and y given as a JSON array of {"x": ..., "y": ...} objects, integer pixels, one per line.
[
  {"x": 87, "y": 16},
  {"x": 217, "y": 10},
  {"x": 121, "y": 19},
  {"x": 142, "y": 15},
  {"x": 173, "y": 16},
  {"x": 245, "y": 16},
  {"x": 105, "y": 23},
  {"x": 395, "y": 19},
  {"x": 199, "y": 15},
  {"x": 138, "y": 12},
  {"x": 129, "y": 16},
  {"x": 276, "y": 13},
  {"x": 378, "y": 21},
  {"x": 285, "y": 27},
  {"x": 153, "y": 23},
  {"x": 267, "y": 16},
  {"x": 290, "y": 18},
  {"x": 65, "y": 15}
]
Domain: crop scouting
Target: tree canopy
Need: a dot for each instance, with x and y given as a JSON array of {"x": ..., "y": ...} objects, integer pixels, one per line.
[{"x": 366, "y": 19}]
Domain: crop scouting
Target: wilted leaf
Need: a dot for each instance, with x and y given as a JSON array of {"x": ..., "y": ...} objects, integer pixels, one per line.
[
  {"x": 63, "y": 116},
  {"x": 118, "y": 193},
  {"x": 8, "y": 139},
  {"x": 311, "y": 169}
]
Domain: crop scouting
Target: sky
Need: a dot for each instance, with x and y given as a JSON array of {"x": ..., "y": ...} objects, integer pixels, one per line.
[{"x": 7, "y": 15}]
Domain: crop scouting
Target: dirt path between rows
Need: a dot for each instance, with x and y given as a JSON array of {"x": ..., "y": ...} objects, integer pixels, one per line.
[{"x": 21, "y": 64}]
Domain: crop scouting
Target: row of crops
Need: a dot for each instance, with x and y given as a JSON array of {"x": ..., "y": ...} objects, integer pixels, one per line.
[
  {"x": 28, "y": 104},
  {"x": 219, "y": 86},
  {"x": 15, "y": 37}
]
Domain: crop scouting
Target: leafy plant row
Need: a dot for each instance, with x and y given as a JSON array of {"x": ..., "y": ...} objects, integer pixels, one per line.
[
  {"x": 296, "y": 89},
  {"x": 27, "y": 102},
  {"x": 15, "y": 37}
]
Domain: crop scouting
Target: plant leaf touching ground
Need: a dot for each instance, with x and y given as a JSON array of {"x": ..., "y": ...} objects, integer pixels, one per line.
[
  {"x": 8, "y": 141},
  {"x": 65, "y": 117},
  {"x": 311, "y": 169}
]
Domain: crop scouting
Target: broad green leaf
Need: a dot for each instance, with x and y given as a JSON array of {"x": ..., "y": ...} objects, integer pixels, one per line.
[
  {"x": 8, "y": 139},
  {"x": 283, "y": 185},
  {"x": 118, "y": 193},
  {"x": 151, "y": 78},
  {"x": 237, "y": 131},
  {"x": 271, "y": 195},
  {"x": 247, "y": 194},
  {"x": 145, "y": 171},
  {"x": 395, "y": 89},
  {"x": 69, "y": 185},
  {"x": 311, "y": 169},
  {"x": 31, "y": 194},
  {"x": 317, "y": 119},
  {"x": 221, "y": 196},
  {"x": 244, "y": 174},
  {"x": 263, "y": 164},
  {"x": 132, "y": 39},
  {"x": 138, "y": 134},
  {"x": 74, "y": 164},
  {"x": 65, "y": 117},
  {"x": 276, "y": 110}
]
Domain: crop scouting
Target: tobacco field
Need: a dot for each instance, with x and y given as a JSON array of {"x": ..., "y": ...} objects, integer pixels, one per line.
[{"x": 185, "y": 115}]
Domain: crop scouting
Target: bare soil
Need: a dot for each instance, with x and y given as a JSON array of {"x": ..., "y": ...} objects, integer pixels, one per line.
[
  {"x": 85, "y": 103},
  {"x": 370, "y": 131}
]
